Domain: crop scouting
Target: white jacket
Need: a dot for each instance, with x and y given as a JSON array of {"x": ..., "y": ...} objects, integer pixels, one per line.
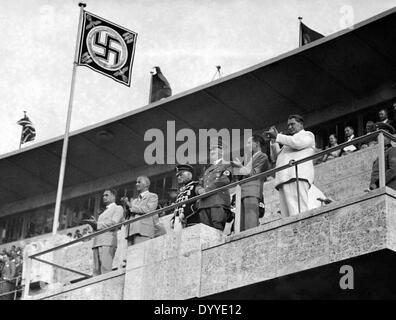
[{"x": 298, "y": 146}]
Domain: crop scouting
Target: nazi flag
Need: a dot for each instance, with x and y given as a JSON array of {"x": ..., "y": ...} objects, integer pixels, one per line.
[{"x": 107, "y": 48}]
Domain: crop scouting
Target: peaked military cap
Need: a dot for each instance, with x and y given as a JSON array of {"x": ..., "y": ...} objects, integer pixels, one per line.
[{"x": 183, "y": 167}]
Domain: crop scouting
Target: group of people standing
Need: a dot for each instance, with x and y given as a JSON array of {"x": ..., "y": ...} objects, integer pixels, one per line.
[{"x": 215, "y": 209}]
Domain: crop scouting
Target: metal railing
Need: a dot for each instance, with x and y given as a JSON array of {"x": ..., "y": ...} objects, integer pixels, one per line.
[
  {"x": 293, "y": 163},
  {"x": 18, "y": 287}
]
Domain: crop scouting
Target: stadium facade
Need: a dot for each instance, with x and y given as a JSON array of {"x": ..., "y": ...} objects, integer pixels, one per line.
[{"x": 342, "y": 79}]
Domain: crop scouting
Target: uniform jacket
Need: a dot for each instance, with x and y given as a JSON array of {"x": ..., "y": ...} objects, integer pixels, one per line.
[
  {"x": 9, "y": 271},
  {"x": 390, "y": 169},
  {"x": 216, "y": 176},
  {"x": 186, "y": 192},
  {"x": 145, "y": 203},
  {"x": 259, "y": 163},
  {"x": 111, "y": 216},
  {"x": 295, "y": 147}
]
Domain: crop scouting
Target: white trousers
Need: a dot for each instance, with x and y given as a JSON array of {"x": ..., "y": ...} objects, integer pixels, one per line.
[{"x": 289, "y": 200}]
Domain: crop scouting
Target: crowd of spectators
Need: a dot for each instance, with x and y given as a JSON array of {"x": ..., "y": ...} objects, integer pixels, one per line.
[
  {"x": 349, "y": 134},
  {"x": 78, "y": 234},
  {"x": 11, "y": 262}
]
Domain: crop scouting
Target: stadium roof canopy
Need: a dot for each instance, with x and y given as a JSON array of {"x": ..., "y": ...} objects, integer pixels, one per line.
[{"x": 341, "y": 67}]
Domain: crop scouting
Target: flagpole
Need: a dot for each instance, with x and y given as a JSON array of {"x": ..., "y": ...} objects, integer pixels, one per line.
[
  {"x": 300, "y": 42},
  {"x": 66, "y": 139}
]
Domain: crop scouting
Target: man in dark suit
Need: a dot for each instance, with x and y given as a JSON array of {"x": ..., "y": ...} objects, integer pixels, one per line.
[
  {"x": 390, "y": 161},
  {"x": 105, "y": 245},
  {"x": 252, "y": 192},
  {"x": 383, "y": 117},
  {"x": 215, "y": 209},
  {"x": 146, "y": 202}
]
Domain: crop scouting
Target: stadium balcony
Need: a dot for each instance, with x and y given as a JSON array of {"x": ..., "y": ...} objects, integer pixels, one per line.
[{"x": 298, "y": 257}]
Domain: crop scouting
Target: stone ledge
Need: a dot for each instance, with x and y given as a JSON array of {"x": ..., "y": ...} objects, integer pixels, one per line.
[
  {"x": 79, "y": 285},
  {"x": 279, "y": 222},
  {"x": 168, "y": 267},
  {"x": 339, "y": 231}
]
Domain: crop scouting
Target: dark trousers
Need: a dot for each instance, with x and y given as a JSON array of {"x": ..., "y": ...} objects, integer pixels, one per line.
[
  {"x": 193, "y": 219},
  {"x": 215, "y": 217},
  {"x": 7, "y": 287}
]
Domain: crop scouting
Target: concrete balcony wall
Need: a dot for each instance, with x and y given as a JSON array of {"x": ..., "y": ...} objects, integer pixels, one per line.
[
  {"x": 77, "y": 257},
  {"x": 108, "y": 286},
  {"x": 168, "y": 267},
  {"x": 200, "y": 261},
  {"x": 343, "y": 230}
]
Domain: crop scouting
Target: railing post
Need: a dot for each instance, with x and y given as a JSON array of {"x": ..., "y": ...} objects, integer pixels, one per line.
[
  {"x": 381, "y": 159},
  {"x": 28, "y": 266},
  {"x": 298, "y": 189},
  {"x": 238, "y": 209},
  {"x": 16, "y": 287}
]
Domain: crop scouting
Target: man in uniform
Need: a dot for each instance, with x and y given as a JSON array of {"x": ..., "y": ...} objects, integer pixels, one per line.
[
  {"x": 215, "y": 209},
  {"x": 187, "y": 213}
]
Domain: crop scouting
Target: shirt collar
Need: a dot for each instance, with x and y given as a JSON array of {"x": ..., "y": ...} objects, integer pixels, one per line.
[
  {"x": 110, "y": 205},
  {"x": 351, "y": 137},
  {"x": 142, "y": 194}
]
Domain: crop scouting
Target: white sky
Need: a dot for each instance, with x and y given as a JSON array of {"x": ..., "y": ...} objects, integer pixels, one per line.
[{"x": 186, "y": 38}]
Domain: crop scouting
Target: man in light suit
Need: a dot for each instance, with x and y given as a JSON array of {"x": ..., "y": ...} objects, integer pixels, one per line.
[
  {"x": 105, "y": 245},
  {"x": 146, "y": 202},
  {"x": 252, "y": 192},
  {"x": 298, "y": 145}
]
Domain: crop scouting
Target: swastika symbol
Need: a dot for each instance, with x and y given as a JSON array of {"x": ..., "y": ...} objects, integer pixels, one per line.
[{"x": 107, "y": 48}]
